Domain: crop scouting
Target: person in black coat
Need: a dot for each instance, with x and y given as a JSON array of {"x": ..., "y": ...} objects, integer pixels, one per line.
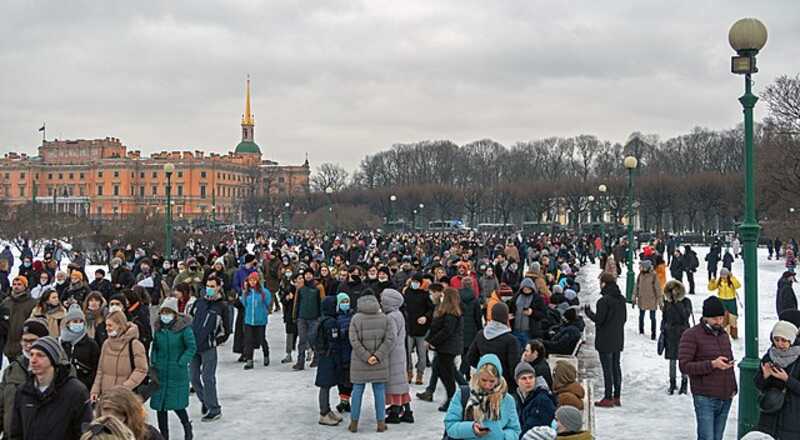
[
  {"x": 712, "y": 259},
  {"x": 101, "y": 284},
  {"x": 567, "y": 336},
  {"x": 419, "y": 314},
  {"x": 121, "y": 276},
  {"x": 57, "y": 412},
  {"x": 727, "y": 260},
  {"x": 675, "y": 320},
  {"x": 496, "y": 338},
  {"x": 82, "y": 351},
  {"x": 471, "y": 312},
  {"x": 609, "y": 336},
  {"x": 780, "y": 374},
  {"x": 446, "y": 337},
  {"x": 786, "y": 299},
  {"x": 536, "y": 355},
  {"x": 677, "y": 266}
]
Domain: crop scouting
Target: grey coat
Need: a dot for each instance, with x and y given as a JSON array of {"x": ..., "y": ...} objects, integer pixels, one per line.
[
  {"x": 391, "y": 301},
  {"x": 371, "y": 333}
]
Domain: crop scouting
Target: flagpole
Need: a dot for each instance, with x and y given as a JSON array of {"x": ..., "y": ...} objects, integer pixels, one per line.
[{"x": 44, "y": 132}]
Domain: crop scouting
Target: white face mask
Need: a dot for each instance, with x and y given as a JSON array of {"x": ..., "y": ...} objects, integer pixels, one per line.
[
  {"x": 113, "y": 333},
  {"x": 115, "y": 308},
  {"x": 415, "y": 285}
]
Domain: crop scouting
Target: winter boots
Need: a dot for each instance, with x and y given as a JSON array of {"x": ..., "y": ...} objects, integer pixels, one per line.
[
  {"x": 418, "y": 379},
  {"x": 408, "y": 415},
  {"x": 353, "y": 426},
  {"x": 410, "y": 375},
  {"x": 381, "y": 426},
  {"x": 672, "y": 386},
  {"x": 187, "y": 431},
  {"x": 329, "y": 419},
  {"x": 393, "y": 414},
  {"x": 604, "y": 403},
  {"x": 426, "y": 396},
  {"x": 287, "y": 359},
  {"x": 343, "y": 406},
  {"x": 248, "y": 365},
  {"x": 684, "y": 385}
]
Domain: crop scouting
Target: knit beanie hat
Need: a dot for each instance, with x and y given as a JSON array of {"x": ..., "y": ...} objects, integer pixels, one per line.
[
  {"x": 22, "y": 280},
  {"x": 536, "y": 266},
  {"x": 724, "y": 272},
  {"x": 74, "y": 313},
  {"x": 785, "y": 330},
  {"x": 254, "y": 275},
  {"x": 341, "y": 297},
  {"x": 712, "y": 307},
  {"x": 523, "y": 368},
  {"x": 220, "y": 261},
  {"x": 757, "y": 435},
  {"x": 570, "y": 418},
  {"x": 51, "y": 347},
  {"x": 116, "y": 261},
  {"x": 500, "y": 313},
  {"x": 170, "y": 304},
  {"x": 527, "y": 282},
  {"x": 385, "y": 269},
  {"x": 540, "y": 433},
  {"x": 35, "y": 326}
]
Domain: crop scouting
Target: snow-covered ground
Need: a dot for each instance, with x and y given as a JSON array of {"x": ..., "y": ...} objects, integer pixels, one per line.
[{"x": 277, "y": 402}]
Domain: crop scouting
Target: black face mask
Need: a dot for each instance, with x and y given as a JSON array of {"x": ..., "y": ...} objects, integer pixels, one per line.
[{"x": 356, "y": 278}]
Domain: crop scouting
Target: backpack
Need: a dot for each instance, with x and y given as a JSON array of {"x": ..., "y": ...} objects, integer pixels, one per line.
[{"x": 464, "y": 399}]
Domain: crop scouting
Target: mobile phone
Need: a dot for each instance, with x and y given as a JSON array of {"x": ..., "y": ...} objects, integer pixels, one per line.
[{"x": 483, "y": 429}]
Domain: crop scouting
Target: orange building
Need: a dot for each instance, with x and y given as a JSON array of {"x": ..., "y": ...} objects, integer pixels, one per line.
[{"x": 100, "y": 177}]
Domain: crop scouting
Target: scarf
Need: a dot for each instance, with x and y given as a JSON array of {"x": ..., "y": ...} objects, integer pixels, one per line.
[
  {"x": 68, "y": 335},
  {"x": 784, "y": 358},
  {"x": 486, "y": 404}
]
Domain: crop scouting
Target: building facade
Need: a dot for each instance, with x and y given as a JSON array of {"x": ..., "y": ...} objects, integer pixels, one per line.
[{"x": 100, "y": 177}]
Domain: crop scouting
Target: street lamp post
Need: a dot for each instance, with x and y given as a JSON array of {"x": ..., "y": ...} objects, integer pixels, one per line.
[
  {"x": 748, "y": 36},
  {"x": 286, "y": 214},
  {"x": 392, "y": 199},
  {"x": 630, "y": 164},
  {"x": 602, "y": 188},
  {"x": 591, "y": 210},
  {"x": 421, "y": 217},
  {"x": 168, "y": 170}
]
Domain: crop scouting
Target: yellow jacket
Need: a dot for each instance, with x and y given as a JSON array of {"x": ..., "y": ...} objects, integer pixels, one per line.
[{"x": 727, "y": 290}]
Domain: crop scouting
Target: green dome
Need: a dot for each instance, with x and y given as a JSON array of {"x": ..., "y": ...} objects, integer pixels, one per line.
[{"x": 248, "y": 147}]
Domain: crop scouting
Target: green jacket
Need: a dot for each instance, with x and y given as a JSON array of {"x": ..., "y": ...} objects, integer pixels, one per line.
[
  {"x": 172, "y": 351},
  {"x": 13, "y": 377},
  {"x": 308, "y": 303}
]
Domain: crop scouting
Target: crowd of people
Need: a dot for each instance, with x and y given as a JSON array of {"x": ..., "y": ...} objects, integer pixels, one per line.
[{"x": 480, "y": 313}]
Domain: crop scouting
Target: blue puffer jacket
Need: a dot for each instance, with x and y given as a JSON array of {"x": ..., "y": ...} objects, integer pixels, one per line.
[
  {"x": 505, "y": 428},
  {"x": 538, "y": 408},
  {"x": 256, "y": 306}
]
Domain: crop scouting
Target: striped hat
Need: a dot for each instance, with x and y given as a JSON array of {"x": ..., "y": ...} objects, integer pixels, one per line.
[
  {"x": 540, "y": 433},
  {"x": 50, "y": 346}
]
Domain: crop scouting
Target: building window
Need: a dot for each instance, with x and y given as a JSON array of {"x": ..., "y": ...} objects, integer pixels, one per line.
[
  {"x": 80, "y": 176},
  {"x": 180, "y": 174},
  {"x": 202, "y": 174},
  {"x": 100, "y": 174},
  {"x": 116, "y": 190},
  {"x": 141, "y": 175},
  {"x": 49, "y": 176},
  {"x": 116, "y": 175},
  {"x": 82, "y": 190},
  {"x": 116, "y": 210},
  {"x": 155, "y": 174},
  {"x": 21, "y": 175},
  {"x": 141, "y": 191},
  {"x": 155, "y": 190},
  {"x": 71, "y": 176},
  {"x": 180, "y": 190},
  {"x": 99, "y": 190},
  {"x": 21, "y": 191},
  {"x": 8, "y": 176},
  {"x": 202, "y": 191},
  {"x": 49, "y": 191},
  {"x": 217, "y": 174},
  {"x": 60, "y": 176},
  {"x": 281, "y": 179},
  {"x": 99, "y": 210}
]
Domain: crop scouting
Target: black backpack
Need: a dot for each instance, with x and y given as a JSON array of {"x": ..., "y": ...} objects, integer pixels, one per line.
[{"x": 464, "y": 399}]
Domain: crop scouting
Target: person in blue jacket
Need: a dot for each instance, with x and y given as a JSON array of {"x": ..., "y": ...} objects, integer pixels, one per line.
[
  {"x": 256, "y": 300},
  {"x": 536, "y": 405},
  {"x": 344, "y": 313},
  {"x": 489, "y": 412}
]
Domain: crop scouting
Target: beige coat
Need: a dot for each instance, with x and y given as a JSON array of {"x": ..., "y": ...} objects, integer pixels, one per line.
[
  {"x": 54, "y": 319},
  {"x": 647, "y": 293},
  {"x": 114, "y": 367}
]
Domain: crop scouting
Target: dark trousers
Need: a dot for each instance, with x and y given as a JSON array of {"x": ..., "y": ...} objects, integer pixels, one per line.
[
  {"x": 163, "y": 421},
  {"x": 712, "y": 274},
  {"x": 254, "y": 336},
  {"x": 238, "y": 331},
  {"x": 463, "y": 367},
  {"x": 434, "y": 380},
  {"x": 447, "y": 373},
  {"x": 612, "y": 374},
  {"x": 652, "y": 321},
  {"x": 690, "y": 278}
]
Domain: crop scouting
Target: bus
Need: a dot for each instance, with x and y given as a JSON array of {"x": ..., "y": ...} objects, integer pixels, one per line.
[{"x": 447, "y": 225}]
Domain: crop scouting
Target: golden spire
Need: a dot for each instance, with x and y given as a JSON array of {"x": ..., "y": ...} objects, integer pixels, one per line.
[{"x": 247, "y": 118}]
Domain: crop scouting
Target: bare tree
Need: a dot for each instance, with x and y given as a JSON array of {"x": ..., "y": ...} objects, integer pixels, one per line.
[
  {"x": 783, "y": 99},
  {"x": 329, "y": 175}
]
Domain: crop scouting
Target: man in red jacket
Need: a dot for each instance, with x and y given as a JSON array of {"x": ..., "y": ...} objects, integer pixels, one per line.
[{"x": 705, "y": 356}]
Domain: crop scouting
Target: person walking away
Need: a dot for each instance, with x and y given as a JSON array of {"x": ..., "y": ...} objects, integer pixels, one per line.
[
  {"x": 16, "y": 374},
  {"x": 372, "y": 337},
  {"x": 677, "y": 266},
  {"x": 307, "y": 310},
  {"x": 329, "y": 368},
  {"x": 779, "y": 384},
  {"x": 609, "y": 337},
  {"x": 496, "y": 338},
  {"x": 647, "y": 295},
  {"x": 690, "y": 266},
  {"x": 82, "y": 350},
  {"x": 786, "y": 298},
  {"x": 705, "y": 356},
  {"x": 471, "y": 314},
  {"x": 397, "y": 390},
  {"x": 52, "y": 404},
  {"x": 727, "y": 284},
  {"x": 419, "y": 312},
  {"x": 484, "y": 409},
  {"x": 343, "y": 351},
  {"x": 713, "y": 258},
  {"x": 536, "y": 406},
  {"x": 173, "y": 349},
  {"x": 447, "y": 338},
  {"x": 211, "y": 327},
  {"x": 256, "y": 300},
  {"x": 727, "y": 260},
  {"x": 675, "y": 320}
]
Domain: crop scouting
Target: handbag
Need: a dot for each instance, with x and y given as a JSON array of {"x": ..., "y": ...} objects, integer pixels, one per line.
[
  {"x": 149, "y": 384},
  {"x": 662, "y": 342},
  {"x": 771, "y": 401}
]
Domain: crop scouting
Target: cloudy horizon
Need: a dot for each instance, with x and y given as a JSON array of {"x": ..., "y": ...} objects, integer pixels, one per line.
[{"x": 341, "y": 79}]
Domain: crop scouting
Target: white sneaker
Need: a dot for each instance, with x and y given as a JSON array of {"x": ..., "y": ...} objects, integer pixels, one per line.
[{"x": 328, "y": 420}]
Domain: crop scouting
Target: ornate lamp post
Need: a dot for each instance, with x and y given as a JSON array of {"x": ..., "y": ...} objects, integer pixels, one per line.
[
  {"x": 602, "y": 188},
  {"x": 748, "y": 36},
  {"x": 168, "y": 170},
  {"x": 630, "y": 164},
  {"x": 286, "y": 205},
  {"x": 591, "y": 209},
  {"x": 421, "y": 217},
  {"x": 392, "y": 199}
]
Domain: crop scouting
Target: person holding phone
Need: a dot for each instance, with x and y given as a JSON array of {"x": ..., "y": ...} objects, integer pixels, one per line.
[
  {"x": 705, "y": 355},
  {"x": 779, "y": 384}
]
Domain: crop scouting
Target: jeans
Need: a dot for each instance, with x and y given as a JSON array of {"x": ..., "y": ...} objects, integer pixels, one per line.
[
  {"x": 711, "y": 414},
  {"x": 612, "y": 374},
  {"x": 254, "y": 335},
  {"x": 418, "y": 342},
  {"x": 163, "y": 420},
  {"x": 378, "y": 393},
  {"x": 522, "y": 337},
  {"x": 204, "y": 379},
  {"x": 652, "y": 321},
  {"x": 305, "y": 329}
]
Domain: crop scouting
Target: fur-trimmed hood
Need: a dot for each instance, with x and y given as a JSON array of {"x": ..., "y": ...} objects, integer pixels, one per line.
[{"x": 674, "y": 291}]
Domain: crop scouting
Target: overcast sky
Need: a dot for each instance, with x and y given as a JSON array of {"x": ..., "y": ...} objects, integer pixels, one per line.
[{"x": 340, "y": 79}]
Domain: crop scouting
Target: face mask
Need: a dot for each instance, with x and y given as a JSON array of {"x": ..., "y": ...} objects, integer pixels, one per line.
[
  {"x": 166, "y": 266},
  {"x": 115, "y": 308},
  {"x": 210, "y": 292},
  {"x": 383, "y": 279},
  {"x": 356, "y": 279},
  {"x": 288, "y": 274},
  {"x": 344, "y": 307},
  {"x": 60, "y": 282},
  {"x": 554, "y": 425},
  {"x": 371, "y": 276},
  {"x": 76, "y": 327},
  {"x": 43, "y": 282},
  {"x": 113, "y": 334},
  {"x": 166, "y": 319},
  {"x": 415, "y": 285}
]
